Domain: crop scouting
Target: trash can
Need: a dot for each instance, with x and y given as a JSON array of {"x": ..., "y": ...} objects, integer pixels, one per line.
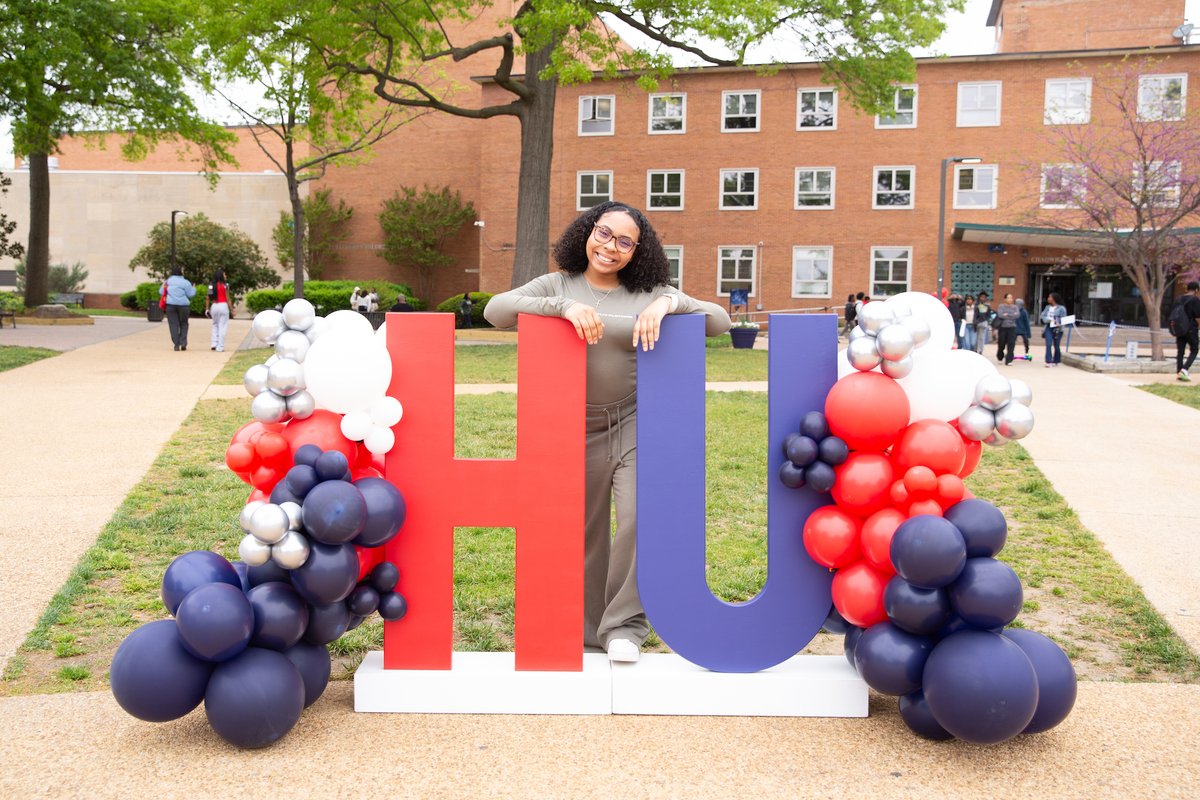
[{"x": 153, "y": 312}]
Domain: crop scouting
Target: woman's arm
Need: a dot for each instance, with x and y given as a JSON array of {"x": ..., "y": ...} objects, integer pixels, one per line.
[
  {"x": 716, "y": 319},
  {"x": 541, "y": 296}
]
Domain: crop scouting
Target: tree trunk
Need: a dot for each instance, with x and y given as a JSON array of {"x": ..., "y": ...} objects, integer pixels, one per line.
[
  {"x": 1152, "y": 301},
  {"x": 297, "y": 221},
  {"x": 532, "y": 255},
  {"x": 37, "y": 254}
]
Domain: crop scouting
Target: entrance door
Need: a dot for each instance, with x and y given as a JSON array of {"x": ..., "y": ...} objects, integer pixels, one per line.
[{"x": 1065, "y": 286}]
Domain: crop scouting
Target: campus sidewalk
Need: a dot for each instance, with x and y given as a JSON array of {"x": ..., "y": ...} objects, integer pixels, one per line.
[{"x": 82, "y": 428}]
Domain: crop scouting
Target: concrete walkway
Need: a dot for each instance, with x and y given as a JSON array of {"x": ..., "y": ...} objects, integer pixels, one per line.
[{"x": 88, "y": 424}]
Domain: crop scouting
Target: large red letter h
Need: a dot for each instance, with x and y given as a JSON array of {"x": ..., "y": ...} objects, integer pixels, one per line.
[{"x": 540, "y": 493}]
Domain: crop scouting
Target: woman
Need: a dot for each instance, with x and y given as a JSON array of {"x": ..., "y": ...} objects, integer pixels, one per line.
[
  {"x": 178, "y": 292},
  {"x": 955, "y": 305},
  {"x": 983, "y": 322},
  {"x": 1006, "y": 329},
  {"x": 613, "y": 289},
  {"x": 1023, "y": 328},
  {"x": 216, "y": 305},
  {"x": 849, "y": 315},
  {"x": 1052, "y": 317},
  {"x": 966, "y": 330}
]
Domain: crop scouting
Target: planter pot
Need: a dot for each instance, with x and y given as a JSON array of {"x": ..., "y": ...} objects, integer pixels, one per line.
[{"x": 743, "y": 337}]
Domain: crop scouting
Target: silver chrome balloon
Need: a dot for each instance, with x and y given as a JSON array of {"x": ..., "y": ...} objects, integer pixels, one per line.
[
  {"x": 301, "y": 405},
  {"x": 1021, "y": 392},
  {"x": 285, "y": 377},
  {"x": 254, "y": 552},
  {"x": 292, "y": 551},
  {"x": 268, "y": 325},
  {"x": 897, "y": 369},
  {"x": 1014, "y": 421},
  {"x": 318, "y": 327},
  {"x": 293, "y": 345},
  {"x": 862, "y": 355},
  {"x": 977, "y": 423},
  {"x": 299, "y": 314},
  {"x": 993, "y": 391},
  {"x": 247, "y": 512},
  {"x": 268, "y": 407},
  {"x": 255, "y": 379},
  {"x": 874, "y": 316},
  {"x": 857, "y": 333},
  {"x": 918, "y": 326},
  {"x": 995, "y": 440},
  {"x": 269, "y": 523},
  {"x": 294, "y": 515},
  {"x": 894, "y": 342}
]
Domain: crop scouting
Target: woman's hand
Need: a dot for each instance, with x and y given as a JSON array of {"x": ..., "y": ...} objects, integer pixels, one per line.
[
  {"x": 646, "y": 326},
  {"x": 586, "y": 321}
]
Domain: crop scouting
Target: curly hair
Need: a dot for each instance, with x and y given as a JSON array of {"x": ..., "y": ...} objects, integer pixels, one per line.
[{"x": 646, "y": 269}]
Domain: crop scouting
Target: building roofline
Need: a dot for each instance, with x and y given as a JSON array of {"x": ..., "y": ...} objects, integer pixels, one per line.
[
  {"x": 1037, "y": 237},
  {"x": 994, "y": 13}
]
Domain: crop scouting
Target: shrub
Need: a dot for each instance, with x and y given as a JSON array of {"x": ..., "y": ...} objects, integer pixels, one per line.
[
  {"x": 130, "y": 300},
  {"x": 330, "y": 296},
  {"x": 479, "y": 301},
  {"x": 61, "y": 279},
  {"x": 11, "y": 301},
  {"x": 147, "y": 293}
]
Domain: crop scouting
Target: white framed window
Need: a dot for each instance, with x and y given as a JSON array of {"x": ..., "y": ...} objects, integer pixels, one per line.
[
  {"x": 735, "y": 268},
  {"x": 739, "y": 189},
  {"x": 904, "y": 109},
  {"x": 816, "y": 109},
  {"x": 740, "y": 111},
  {"x": 1158, "y": 183},
  {"x": 592, "y": 188},
  {"x": 893, "y": 187},
  {"x": 1162, "y": 97},
  {"x": 1063, "y": 185},
  {"x": 812, "y": 270},
  {"x": 596, "y": 113},
  {"x": 975, "y": 185},
  {"x": 1068, "y": 101},
  {"x": 890, "y": 270},
  {"x": 674, "y": 264},
  {"x": 668, "y": 113},
  {"x": 815, "y": 187},
  {"x": 664, "y": 190},
  {"x": 979, "y": 104}
]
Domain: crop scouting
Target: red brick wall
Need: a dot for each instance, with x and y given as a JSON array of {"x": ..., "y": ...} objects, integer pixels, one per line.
[
  {"x": 1047, "y": 25},
  {"x": 88, "y": 153}
]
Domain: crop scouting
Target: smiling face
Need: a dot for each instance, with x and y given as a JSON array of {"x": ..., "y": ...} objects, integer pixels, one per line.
[{"x": 605, "y": 259}]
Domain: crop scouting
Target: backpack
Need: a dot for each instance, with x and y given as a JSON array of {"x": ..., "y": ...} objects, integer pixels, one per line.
[{"x": 1179, "y": 323}]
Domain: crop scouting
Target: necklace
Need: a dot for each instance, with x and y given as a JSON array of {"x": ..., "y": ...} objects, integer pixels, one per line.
[{"x": 598, "y": 298}]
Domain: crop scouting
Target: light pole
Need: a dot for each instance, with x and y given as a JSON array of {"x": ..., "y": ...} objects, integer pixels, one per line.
[
  {"x": 946, "y": 162},
  {"x": 173, "y": 213}
]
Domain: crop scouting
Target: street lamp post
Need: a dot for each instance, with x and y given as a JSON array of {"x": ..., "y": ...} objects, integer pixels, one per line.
[
  {"x": 946, "y": 162},
  {"x": 173, "y": 213}
]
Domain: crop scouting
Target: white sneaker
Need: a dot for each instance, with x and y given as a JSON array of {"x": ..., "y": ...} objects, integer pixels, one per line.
[
  {"x": 623, "y": 650},
  {"x": 1184, "y": 376}
]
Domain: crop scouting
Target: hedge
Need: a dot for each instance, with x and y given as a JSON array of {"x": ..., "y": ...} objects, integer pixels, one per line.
[
  {"x": 147, "y": 293},
  {"x": 330, "y": 296},
  {"x": 479, "y": 301}
]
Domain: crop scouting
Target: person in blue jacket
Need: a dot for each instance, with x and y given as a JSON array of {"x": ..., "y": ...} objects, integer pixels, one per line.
[
  {"x": 178, "y": 292},
  {"x": 1024, "y": 330}
]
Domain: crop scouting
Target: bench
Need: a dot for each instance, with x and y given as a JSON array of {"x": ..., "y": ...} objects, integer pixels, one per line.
[
  {"x": 68, "y": 298},
  {"x": 4, "y": 312}
]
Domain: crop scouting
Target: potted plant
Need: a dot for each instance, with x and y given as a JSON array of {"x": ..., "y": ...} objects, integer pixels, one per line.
[{"x": 743, "y": 332}]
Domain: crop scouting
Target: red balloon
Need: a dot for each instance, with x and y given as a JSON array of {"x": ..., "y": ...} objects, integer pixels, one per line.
[
  {"x": 876, "y": 539},
  {"x": 973, "y": 452},
  {"x": 272, "y": 448},
  {"x": 831, "y": 537},
  {"x": 899, "y": 493},
  {"x": 365, "y": 472},
  {"x": 950, "y": 490},
  {"x": 925, "y": 507},
  {"x": 862, "y": 483},
  {"x": 241, "y": 458},
  {"x": 324, "y": 429},
  {"x": 930, "y": 443},
  {"x": 364, "y": 458},
  {"x": 265, "y": 477},
  {"x": 258, "y": 494},
  {"x": 368, "y": 559},
  {"x": 920, "y": 482},
  {"x": 858, "y": 594},
  {"x": 868, "y": 410}
]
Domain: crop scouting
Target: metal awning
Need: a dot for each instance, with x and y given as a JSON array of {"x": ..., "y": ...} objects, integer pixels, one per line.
[{"x": 1029, "y": 237}]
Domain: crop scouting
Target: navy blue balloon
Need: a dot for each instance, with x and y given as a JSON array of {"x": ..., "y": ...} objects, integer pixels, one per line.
[
  {"x": 363, "y": 600},
  {"x": 802, "y": 450},
  {"x": 283, "y": 494},
  {"x": 392, "y": 606},
  {"x": 814, "y": 425},
  {"x": 787, "y": 442},
  {"x": 982, "y": 525},
  {"x": 334, "y": 511},
  {"x": 385, "y": 511},
  {"x": 355, "y": 621},
  {"x": 301, "y": 479},
  {"x": 850, "y": 643},
  {"x": 332, "y": 465},
  {"x": 891, "y": 660},
  {"x": 833, "y": 451},
  {"x": 820, "y": 476},
  {"x": 915, "y": 712},
  {"x": 243, "y": 572},
  {"x": 215, "y": 622},
  {"x": 329, "y": 574},
  {"x": 280, "y": 615},
  {"x": 916, "y": 610},
  {"x": 313, "y": 663},
  {"x": 266, "y": 573},
  {"x": 384, "y": 577},
  {"x": 1057, "y": 685},
  {"x": 254, "y": 699},
  {"x": 835, "y": 623},
  {"x": 980, "y": 686},
  {"x": 987, "y": 594},
  {"x": 790, "y": 475},
  {"x": 191, "y": 571},
  {"x": 153, "y": 677},
  {"x": 326, "y": 623},
  {"x": 928, "y": 551},
  {"x": 953, "y": 625},
  {"x": 307, "y": 454}
]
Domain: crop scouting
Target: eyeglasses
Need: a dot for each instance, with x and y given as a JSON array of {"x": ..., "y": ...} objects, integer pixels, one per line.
[{"x": 603, "y": 235}]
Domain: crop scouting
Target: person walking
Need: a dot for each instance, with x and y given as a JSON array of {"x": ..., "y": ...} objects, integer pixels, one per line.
[
  {"x": 966, "y": 330},
  {"x": 1190, "y": 339},
  {"x": 954, "y": 303},
  {"x": 849, "y": 315},
  {"x": 464, "y": 310},
  {"x": 983, "y": 322},
  {"x": 216, "y": 306},
  {"x": 1006, "y": 329},
  {"x": 178, "y": 292},
  {"x": 1052, "y": 317},
  {"x": 1024, "y": 330}
]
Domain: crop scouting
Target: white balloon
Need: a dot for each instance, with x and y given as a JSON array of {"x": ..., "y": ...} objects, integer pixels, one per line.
[
  {"x": 993, "y": 391},
  {"x": 300, "y": 405},
  {"x": 291, "y": 552},
  {"x": 1021, "y": 392},
  {"x": 933, "y": 311},
  {"x": 247, "y": 512},
  {"x": 292, "y": 344},
  {"x": 942, "y": 383},
  {"x": 268, "y": 407},
  {"x": 319, "y": 326},
  {"x": 254, "y": 552},
  {"x": 299, "y": 314},
  {"x": 285, "y": 377},
  {"x": 1014, "y": 421},
  {"x": 347, "y": 372},
  {"x": 356, "y": 425},
  {"x": 350, "y": 321},
  {"x": 381, "y": 333},
  {"x": 918, "y": 327},
  {"x": 843, "y": 365},
  {"x": 255, "y": 379},
  {"x": 897, "y": 369},
  {"x": 386, "y": 411},
  {"x": 294, "y": 514},
  {"x": 268, "y": 325},
  {"x": 269, "y": 523},
  {"x": 380, "y": 440},
  {"x": 273, "y": 358}
]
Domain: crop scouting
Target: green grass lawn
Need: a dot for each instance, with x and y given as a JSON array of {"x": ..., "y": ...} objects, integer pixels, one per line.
[
  {"x": 1182, "y": 393},
  {"x": 114, "y": 312},
  {"x": 12, "y": 357}
]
